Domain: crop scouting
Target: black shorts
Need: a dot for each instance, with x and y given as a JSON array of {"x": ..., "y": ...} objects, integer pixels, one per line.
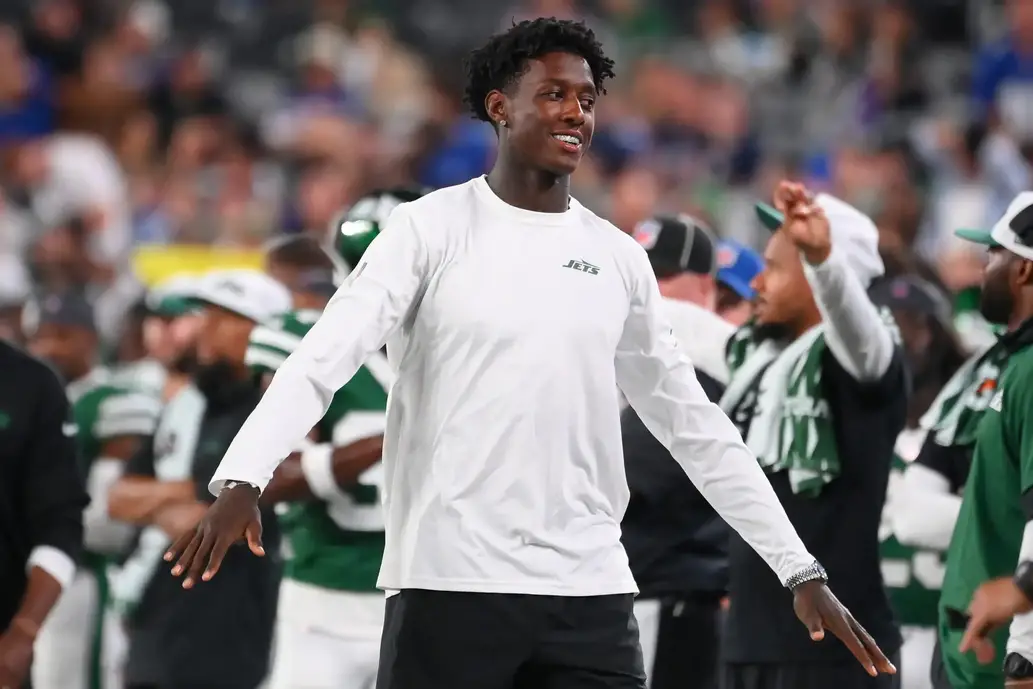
[{"x": 451, "y": 640}]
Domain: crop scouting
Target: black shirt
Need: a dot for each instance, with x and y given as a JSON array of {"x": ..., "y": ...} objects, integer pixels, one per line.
[
  {"x": 217, "y": 635},
  {"x": 42, "y": 490},
  {"x": 676, "y": 543},
  {"x": 840, "y": 527}
]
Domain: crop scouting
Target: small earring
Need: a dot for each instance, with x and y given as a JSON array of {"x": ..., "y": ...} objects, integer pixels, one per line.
[{"x": 502, "y": 123}]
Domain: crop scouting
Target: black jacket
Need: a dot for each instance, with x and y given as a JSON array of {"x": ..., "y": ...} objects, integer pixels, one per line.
[
  {"x": 42, "y": 490},
  {"x": 676, "y": 544}
]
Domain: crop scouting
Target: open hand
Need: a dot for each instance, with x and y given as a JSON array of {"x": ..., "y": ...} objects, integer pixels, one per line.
[
  {"x": 806, "y": 225},
  {"x": 993, "y": 604},
  {"x": 819, "y": 610},
  {"x": 233, "y": 517}
]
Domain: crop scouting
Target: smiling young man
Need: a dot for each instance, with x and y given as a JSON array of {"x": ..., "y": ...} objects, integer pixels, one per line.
[{"x": 512, "y": 314}]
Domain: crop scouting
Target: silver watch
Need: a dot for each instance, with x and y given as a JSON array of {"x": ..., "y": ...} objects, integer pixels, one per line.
[
  {"x": 233, "y": 484},
  {"x": 812, "y": 572}
]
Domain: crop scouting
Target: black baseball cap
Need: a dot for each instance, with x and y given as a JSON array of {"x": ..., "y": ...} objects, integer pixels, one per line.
[
  {"x": 67, "y": 309},
  {"x": 317, "y": 281},
  {"x": 912, "y": 294},
  {"x": 677, "y": 244}
]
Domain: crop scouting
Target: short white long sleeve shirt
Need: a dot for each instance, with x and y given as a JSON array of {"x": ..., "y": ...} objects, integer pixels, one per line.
[{"x": 511, "y": 331}]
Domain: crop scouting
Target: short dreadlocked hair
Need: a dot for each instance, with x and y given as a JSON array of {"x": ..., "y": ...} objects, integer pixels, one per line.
[{"x": 504, "y": 58}]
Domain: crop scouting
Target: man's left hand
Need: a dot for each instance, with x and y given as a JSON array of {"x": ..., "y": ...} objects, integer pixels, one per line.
[
  {"x": 993, "y": 604},
  {"x": 15, "y": 657},
  {"x": 819, "y": 610}
]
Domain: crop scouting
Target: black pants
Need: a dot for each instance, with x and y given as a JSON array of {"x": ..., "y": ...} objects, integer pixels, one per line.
[
  {"x": 681, "y": 625},
  {"x": 450, "y": 640},
  {"x": 845, "y": 675},
  {"x": 937, "y": 670}
]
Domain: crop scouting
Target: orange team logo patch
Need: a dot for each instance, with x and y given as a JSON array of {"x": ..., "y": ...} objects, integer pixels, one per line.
[
  {"x": 726, "y": 256},
  {"x": 646, "y": 232},
  {"x": 987, "y": 386}
]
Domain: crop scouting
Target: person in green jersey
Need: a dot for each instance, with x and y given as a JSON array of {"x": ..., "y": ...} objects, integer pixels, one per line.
[
  {"x": 331, "y": 614},
  {"x": 913, "y": 576},
  {"x": 988, "y": 540},
  {"x": 110, "y": 423},
  {"x": 151, "y": 345}
]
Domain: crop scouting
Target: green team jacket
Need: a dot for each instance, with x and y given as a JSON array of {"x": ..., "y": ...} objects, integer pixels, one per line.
[{"x": 988, "y": 533}]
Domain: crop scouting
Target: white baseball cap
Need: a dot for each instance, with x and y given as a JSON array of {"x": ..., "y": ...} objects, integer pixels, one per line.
[
  {"x": 249, "y": 293},
  {"x": 853, "y": 234},
  {"x": 1014, "y": 231},
  {"x": 15, "y": 283}
]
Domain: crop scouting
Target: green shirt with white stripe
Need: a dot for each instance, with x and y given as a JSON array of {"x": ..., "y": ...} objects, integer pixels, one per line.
[
  {"x": 335, "y": 545},
  {"x": 104, "y": 410}
]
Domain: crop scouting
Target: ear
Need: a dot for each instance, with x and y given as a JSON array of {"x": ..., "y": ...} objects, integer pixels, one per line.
[
  {"x": 495, "y": 104},
  {"x": 1025, "y": 272}
]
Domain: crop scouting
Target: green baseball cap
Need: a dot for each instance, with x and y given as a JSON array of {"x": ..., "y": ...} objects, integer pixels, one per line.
[
  {"x": 983, "y": 237},
  {"x": 770, "y": 217},
  {"x": 172, "y": 306}
]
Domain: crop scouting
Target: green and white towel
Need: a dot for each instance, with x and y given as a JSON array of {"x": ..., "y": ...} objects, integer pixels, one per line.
[
  {"x": 791, "y": 428},
  {"x": 953, "y": 417}
]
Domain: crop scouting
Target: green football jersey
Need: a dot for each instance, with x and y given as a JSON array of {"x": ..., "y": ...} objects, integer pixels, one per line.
[
  {"x": 336, "y": 545},
  {"x": 986, "y": 539},
  {"x": 104, "y": 410},
  {"x": 913, "y": 577}
]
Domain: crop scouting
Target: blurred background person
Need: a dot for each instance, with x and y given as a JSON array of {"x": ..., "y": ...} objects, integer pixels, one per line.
[
  {"x": 43, "y": 496},
  {"x": 737, "y": 266},
  {"x": 819, "y": 392},
  {"x": 913, "y": 576},
  {"x": 677, "y": 546},
  {"x": 176, "y": 637},
  {"x": 111, "y": 425}
]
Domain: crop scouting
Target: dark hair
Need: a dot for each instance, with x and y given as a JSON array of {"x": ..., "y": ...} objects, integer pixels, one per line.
[
  {"x": 503, "y": 59},
  {"x": 301, "y": 252}
]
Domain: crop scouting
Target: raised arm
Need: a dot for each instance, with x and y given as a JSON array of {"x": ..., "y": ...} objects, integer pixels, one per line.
[
  {"x": 857, "y": 334},
  {"x": 660, "y": 384}
]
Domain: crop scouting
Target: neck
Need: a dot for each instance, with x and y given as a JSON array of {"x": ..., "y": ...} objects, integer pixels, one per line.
[
  {"x": 77, "y": 375},
  {"x": 1022, "y": 312},
  {"x": 804, "y": 324},
  {"x": 528, "y": 188},
  {"x": 305, "y": 301}
]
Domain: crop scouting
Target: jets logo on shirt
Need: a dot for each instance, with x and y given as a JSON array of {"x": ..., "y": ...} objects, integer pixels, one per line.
[
  {"x": 582, "y": 266},
  {"x": 995, "y": 403}
]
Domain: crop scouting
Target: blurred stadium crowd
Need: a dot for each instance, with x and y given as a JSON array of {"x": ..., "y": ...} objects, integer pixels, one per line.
[
  {"x": 132, "y": 125},
  {"x": 145, "y": 138}
]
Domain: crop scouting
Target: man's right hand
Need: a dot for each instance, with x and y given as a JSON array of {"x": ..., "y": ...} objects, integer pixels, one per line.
[{"x": 233, "y": 517}]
